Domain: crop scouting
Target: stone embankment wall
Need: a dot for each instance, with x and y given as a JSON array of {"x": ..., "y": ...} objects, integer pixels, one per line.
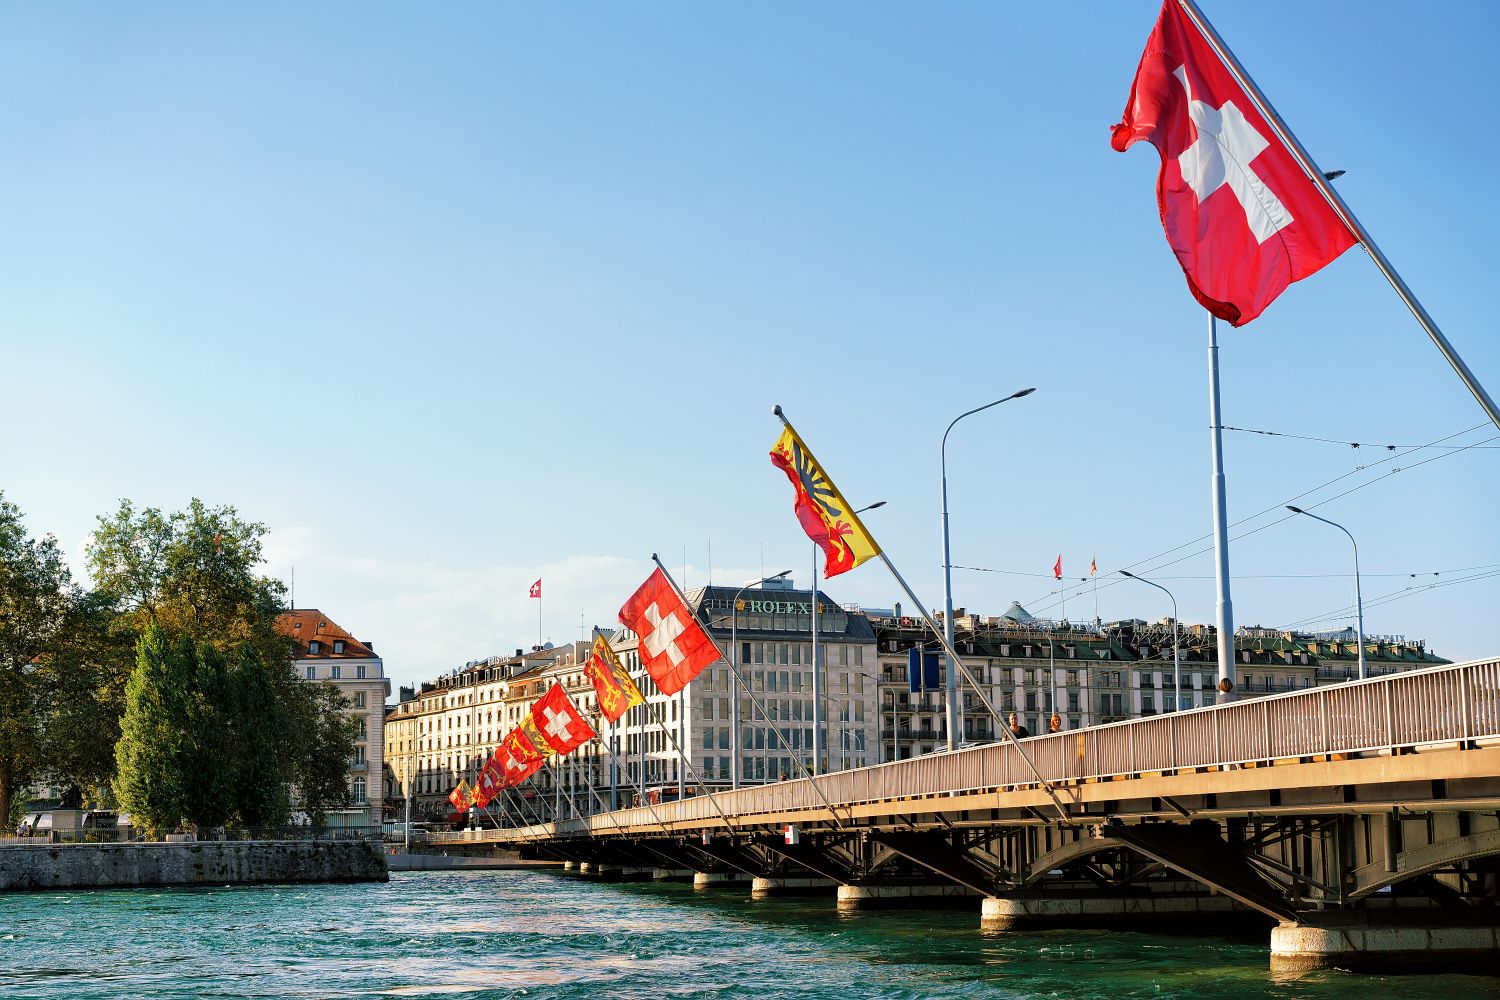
[{"x": 78, "y": 866}]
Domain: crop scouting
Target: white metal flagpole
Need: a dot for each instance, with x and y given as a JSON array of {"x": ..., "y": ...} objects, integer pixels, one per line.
[
  {"x": 1223, "y": 607},
  {"x": 1320, "y": 179}
]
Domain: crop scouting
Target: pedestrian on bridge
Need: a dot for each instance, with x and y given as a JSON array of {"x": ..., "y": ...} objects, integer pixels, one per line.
[
  {"x": 1054, "y": 725},
  {"x": 1019, "y": 731}
]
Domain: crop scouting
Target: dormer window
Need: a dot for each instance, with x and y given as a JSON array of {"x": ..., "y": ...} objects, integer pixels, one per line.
[
  {"x": 338, "y": 645},
  {"x": 314, "y": 646}
]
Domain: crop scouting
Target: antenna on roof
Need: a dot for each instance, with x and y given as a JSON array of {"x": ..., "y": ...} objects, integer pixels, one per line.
[{"x": 293, "y": 594}]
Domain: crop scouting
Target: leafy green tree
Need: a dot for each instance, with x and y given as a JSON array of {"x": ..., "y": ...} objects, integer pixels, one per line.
[
  {"x": 36, "y": 593},
  {"x": 259, "y": 778},
  {"x": 209, "y": 781},
  {"x": 153, "y": 755},
  {"x": 322, "y": 766}
]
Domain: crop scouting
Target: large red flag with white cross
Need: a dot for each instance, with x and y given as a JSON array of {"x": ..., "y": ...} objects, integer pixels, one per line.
[
  {"x": 1240, "y": 213},
  {"x": 673, "y": 647},
  {"x": 559, "y": 721}
]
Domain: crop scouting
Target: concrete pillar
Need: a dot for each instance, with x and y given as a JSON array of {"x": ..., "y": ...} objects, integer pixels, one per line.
[
  {"x": 1143, "y": 912},
  {"x": 1343, "y": 941},
  {"x": 635, "y": 873},
  {"x": 761, "y": 888},
  {"x": 717, "y": 880},
  {"x": 905, "y": 897},
  {"x": 570, "y": 866}
]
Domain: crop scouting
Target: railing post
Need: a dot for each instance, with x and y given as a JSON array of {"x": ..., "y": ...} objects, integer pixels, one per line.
[
  {"x": 1130, "y": 728},
  {"x": 1172, "y": 734},
  {"x": 1467, "y": 732},
  {"x": 1323, "y": 713},
  {"x": 1265, "y": 723},
  {"x": 1218, "y": 716},
  {"x": 1390, "y": 731}
]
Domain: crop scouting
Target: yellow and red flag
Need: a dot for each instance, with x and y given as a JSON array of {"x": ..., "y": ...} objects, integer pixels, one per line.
[
  {"x": 824, "y": 514},
  {"x": 460, "y": 796},
  {"x": 612, "y": 683},
  {"x": 518, "y": 757},
  {"x": 488, "y": 784}
]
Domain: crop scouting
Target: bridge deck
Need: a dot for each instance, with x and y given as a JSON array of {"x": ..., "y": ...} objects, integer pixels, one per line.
[{"x": 1393, "y": 736}]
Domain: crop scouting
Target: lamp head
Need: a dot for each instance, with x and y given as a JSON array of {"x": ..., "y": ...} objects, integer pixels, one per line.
[
  {"x": 778, "y": 576},
  {"x": 877, "y": 503},
  {"x": 1126, "y": 572},
  {"x": 1295, "y": 510},
  {"x": 1023, "y": 392}
]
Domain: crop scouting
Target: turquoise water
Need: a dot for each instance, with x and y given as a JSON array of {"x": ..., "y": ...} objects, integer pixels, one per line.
[{"x": 540, "y": 935}]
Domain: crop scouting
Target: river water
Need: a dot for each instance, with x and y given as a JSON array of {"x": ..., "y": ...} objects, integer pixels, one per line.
[{"x": 544, "y": 935}]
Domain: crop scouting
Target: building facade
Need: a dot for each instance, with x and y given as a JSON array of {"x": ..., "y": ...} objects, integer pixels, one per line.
[{"x": 326, "y": 653}]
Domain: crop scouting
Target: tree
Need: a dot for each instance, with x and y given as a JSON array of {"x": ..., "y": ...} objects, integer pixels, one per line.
[
  {"x": 212, "y": 725},
  {"x": 35, "y": 595},
  {"x": 154, "y": 752},
  {"x": 322, "y": 766},
  {"x": 194, "y": 574},
  {"x": 258, "y": 775}
]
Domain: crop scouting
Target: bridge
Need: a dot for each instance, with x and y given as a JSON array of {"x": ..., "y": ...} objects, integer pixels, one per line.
[{"x": 1360, "y": 822}]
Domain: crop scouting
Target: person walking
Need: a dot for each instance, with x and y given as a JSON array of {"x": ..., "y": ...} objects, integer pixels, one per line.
[{"x": 1019, "y": 731}]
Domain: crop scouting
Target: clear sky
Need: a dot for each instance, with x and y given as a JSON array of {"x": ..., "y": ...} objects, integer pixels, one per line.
[{"x": 456, "y": 296}]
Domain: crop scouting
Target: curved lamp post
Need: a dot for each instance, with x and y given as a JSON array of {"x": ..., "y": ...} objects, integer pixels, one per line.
[
  {"x": 1359, "y": 602},
  {"x": 954, "y": 717},
  {"x": 734, "y": 687},
  {"x": 1176, "y": 652}
]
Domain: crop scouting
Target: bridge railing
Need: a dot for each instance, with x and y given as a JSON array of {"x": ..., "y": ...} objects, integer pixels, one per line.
[{"x": 1454, "y": 703}]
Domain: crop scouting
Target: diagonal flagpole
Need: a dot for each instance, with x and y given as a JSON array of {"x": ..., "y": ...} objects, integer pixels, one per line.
[
  {"x": 955, "y": 660},
  {"x": 1325, "y": 186},
  {"x": 756, "y": 702}
]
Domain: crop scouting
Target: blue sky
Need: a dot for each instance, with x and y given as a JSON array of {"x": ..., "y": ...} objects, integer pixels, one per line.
[{"x": 453, "y": 298}]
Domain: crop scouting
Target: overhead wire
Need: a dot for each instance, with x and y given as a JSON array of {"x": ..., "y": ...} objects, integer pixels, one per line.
[{"x": 1061, "y": 594}]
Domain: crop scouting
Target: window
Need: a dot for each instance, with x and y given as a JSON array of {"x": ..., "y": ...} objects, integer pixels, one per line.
[
  {"x": 338, "y": 645},
  {"x": 359, "y": 699},
  {"x": 359, "y": 671},
  {"x": 314, "y": 646},
  {"x": 334, "y": 672},
  {"x": 312, "y": 673},
  {"x": 359, "y": 755},
  {"x": 359, "y": 791},
  {"x": 364, "y": 729}
]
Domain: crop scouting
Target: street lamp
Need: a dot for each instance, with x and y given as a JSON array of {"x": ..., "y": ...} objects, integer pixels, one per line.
[
  {"x": 954, "y": 718},
  {"x": 819, "y": 735},
  {"x": 1176, "y": 653},
  {"x": 734, "y": 683},
  {"x": 1359, "y": 602}
]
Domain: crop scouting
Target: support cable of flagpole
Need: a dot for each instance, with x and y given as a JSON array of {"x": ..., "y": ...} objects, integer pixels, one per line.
[
  {"x": 660, "y": 720},
  {"x": 754, "y": 701},
  {"x": 645, "y": 801},
  {"x": 621, "y": 769},
  {"x": 1325, "y": 186},
  {"x": 521, "y": 812},
  {"x": 955, "y": 660}
]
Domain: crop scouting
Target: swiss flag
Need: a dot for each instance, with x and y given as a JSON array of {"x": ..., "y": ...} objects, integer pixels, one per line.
[
  {"x": 559, "y": 721},
  {"x": 1242, "y": 217},
  {"x": 673, "y": 647},
  {"x": 536, "y": 589}
]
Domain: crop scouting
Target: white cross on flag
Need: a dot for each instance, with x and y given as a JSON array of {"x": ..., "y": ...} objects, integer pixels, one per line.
[
  {"x": 560, "y": 722},
  {"x": 673, "y": 647},
  {"x": 1241, "y": 215}
]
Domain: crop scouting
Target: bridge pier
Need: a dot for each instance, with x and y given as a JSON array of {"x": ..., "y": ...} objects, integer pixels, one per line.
[
  {"x": 1354, "y": 943},
  {"x": 718, "y": 880},
  {"x": 1146, "y": 911},
  {"x": 906, "y": 897},
  {"x": 764, "y": 888}
]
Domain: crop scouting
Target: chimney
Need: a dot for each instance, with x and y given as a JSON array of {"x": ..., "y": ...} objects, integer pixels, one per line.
[{"x": 368, "y": 645}]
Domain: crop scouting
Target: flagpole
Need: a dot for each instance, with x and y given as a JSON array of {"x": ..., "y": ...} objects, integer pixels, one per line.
[
  {"x": 1224, "y": 606},
  {"x": 954, "y": 660},
  {"x": 1305, "y": 160},
  {"x": 754, "y": 701}
]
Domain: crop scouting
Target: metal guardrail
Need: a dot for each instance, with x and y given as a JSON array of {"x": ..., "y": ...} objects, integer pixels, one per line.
[{"x": 1453, "y": 703}]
